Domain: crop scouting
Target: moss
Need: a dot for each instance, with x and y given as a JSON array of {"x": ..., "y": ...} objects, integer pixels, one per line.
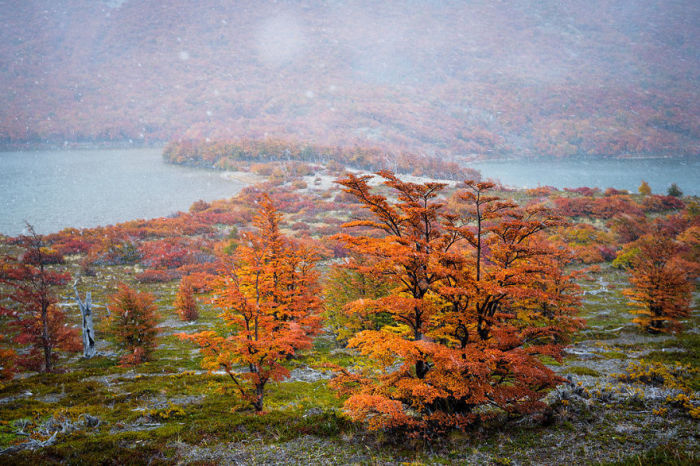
[
  {"x": 580, "y": 370},
  {"x": 592, "y": 334},
  {"x": 662, "y": 455},
  {"x": 612, "y": 355},
  {"x": 96, "y": 450},
  {"x": 550, "y": 361}
]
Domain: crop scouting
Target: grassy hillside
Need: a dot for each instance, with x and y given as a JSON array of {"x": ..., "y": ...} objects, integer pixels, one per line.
[{"x": 629, "y": 397}]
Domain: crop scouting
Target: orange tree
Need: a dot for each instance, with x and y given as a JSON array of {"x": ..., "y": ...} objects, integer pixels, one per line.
[
  {"x": 661, "y": 282},
  {"x": 185, "y": 302},
  {"x": 478, "y": 296},
  {"x": 267, "y": 295},
  {"x": 28, "y": 306},
  {"x": 133, "y": 321}
]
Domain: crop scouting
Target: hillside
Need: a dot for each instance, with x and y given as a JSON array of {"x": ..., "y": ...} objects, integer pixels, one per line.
[
  {"x": 626, "y": 396},
  {"x": 466, "y": 78}
]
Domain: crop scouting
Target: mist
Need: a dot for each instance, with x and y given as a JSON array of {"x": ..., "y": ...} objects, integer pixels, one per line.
[{"x": 480, "y": 79}]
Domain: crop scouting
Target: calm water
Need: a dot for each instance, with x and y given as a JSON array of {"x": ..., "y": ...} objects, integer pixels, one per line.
[
  {"x": 53, "y": 190},
  {"x": 620, "y": 173},
  {"x": 82, "y": 188}
]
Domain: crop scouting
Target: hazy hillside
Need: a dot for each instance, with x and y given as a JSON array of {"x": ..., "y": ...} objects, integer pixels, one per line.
[{"x": 469, "y": 77}]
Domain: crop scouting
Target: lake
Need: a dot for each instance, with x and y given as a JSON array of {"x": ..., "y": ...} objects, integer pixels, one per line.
[
  {"x": 53, "y": 190},
  {"x": 84, "y": 188},
  {"x": 602, "y": 173}
]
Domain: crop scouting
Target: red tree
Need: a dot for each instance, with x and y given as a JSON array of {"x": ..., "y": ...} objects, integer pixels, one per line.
[{"x": 30, "y": 306}]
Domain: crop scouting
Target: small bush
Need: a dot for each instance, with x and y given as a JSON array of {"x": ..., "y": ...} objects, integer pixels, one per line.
[{"x": 133, "y": 321}]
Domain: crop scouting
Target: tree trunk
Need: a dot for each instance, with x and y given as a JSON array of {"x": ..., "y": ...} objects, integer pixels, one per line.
[
  {"x": 45, "y": 340},
  {"x": 260, "y": 393},
  {"x": 87, "y": 326}
]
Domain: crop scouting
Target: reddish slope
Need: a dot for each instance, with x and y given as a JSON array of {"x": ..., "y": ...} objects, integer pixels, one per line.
[{"x": 521, "y": 77}]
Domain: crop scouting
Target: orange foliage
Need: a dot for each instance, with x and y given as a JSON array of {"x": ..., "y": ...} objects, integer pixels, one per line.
[
  {"x": 133, "y": 321},
  {"x": 476, "y": 296},
  {"x": 185, "y": 302},
  {"x": 268, "y": 300},
  {"x": 661, "y": 284}
]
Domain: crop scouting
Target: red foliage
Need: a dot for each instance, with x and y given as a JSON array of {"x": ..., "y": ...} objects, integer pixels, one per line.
[
  {"x": 157, "y": 276},
  {"x": 601, "y": 207},
  {"x": 44, "y": 255},
  {"x": 171, "y": 253},
  {"x": 72, "y": 246},
  {"x": 28, "y": 301},
  {"x": 583, "y": 191},
  {"x": 656, "y": 203}
]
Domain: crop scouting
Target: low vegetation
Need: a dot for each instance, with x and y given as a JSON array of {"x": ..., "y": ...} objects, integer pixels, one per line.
[{"x": 452, "y": 330}]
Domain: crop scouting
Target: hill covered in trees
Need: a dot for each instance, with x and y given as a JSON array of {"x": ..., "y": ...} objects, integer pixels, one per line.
[{"x": 462, "y": 78}]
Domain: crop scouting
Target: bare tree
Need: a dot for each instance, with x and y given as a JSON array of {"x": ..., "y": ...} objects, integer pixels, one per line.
[{"x": 86, "y": 324}]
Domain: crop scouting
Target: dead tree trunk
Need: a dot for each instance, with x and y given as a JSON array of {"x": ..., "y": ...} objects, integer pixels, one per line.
[{"x": 88, "y": 330}]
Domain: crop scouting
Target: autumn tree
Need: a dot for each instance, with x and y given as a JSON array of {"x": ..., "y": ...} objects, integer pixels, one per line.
[
  {"x": 185, "y": 302},
  {"x": 133, "y": 320},
  {"x": 268, "y": 297},
  {"x": 29, "y": 306},
  {"x": 661, "y": 283},
  {"x": 644, "y": 188},
  {"x": 478, "y": 296}
]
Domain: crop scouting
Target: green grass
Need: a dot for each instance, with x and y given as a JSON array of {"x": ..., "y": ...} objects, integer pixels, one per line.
[
  {"x": 613, "y": 355},
  {"x": 579, "y": 370},
  {"x": 662, "y": 455}
]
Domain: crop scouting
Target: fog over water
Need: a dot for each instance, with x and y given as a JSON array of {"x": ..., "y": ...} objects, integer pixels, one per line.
[{"x": 53, "y": 190}]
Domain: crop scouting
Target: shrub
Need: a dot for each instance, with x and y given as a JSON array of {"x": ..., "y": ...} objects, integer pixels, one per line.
[
  {"x": 674, "y": 190},
  {"x": 133, "y": 321},
  {"x": 185, "y": 302}
]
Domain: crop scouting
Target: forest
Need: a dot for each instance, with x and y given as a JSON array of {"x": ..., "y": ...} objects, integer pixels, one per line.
[
  {"x": 476, "y": 79},
  {"x": 329, "y": 315}
]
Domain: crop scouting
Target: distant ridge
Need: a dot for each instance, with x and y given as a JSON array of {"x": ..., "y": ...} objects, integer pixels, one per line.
[{"x": 482, "y": 78}]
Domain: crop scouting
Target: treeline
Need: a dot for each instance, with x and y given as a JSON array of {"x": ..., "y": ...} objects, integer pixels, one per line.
[{"x": 226, "y": 154}]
